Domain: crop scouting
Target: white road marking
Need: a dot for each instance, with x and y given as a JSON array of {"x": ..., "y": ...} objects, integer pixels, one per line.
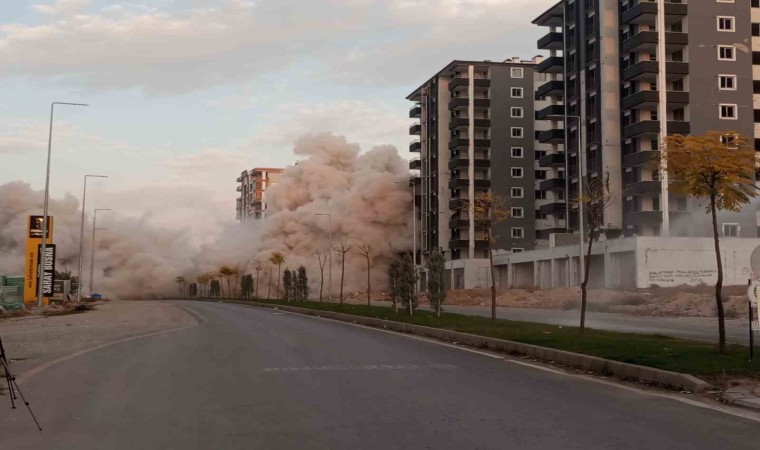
[{"x": 361, "y": 367}]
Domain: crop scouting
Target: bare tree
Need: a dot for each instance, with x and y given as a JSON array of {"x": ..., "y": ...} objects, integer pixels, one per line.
[
  {"x": 259, "y": 268},
  {"x": 365, "y": 249},
  {"x": 595, "y": 200},
  {"x": 322, "y": 259},
  {"x": 343, "y": 248},
  {"x": 488, "y": 208}
]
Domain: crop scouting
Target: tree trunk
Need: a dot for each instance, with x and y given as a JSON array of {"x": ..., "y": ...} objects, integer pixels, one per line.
[
  {"x": 493, "y": 283},
  {"x": 257, "y": 284},
  {"x": 229, "y": 291},
  {"x": 584, "y": 283},
  {"x": 321, "y": 280},
  {"x": 269, "y": 289},
  {"x": 369, "y": 287},
  {"x": 342, "y": 275},
  {"x": 279, "y": 275},
  {"x": 719, "y": 283}
]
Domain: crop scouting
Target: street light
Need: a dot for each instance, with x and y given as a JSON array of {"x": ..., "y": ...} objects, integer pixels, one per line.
[
  {"x": 81, "y": 236},
  {"x": 329, "y": 270},
  {"x": 581, "y": 262},
  {"x": 92, "y": 257},
  {"x": 414, "y": 234},
  {"x": 47, "y": 192}
]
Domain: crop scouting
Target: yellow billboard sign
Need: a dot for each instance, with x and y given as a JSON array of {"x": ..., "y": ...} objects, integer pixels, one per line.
[{"x": 33, "y": 241}]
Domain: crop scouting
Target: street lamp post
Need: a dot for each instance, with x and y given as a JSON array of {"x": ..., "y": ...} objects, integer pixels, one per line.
[
  {"x": 329, "y": 269},
  {"x": 81, "y": 236},
  {"x": 47, "y": 193},
  {"x": 581, "y": 262},
  {"x": 414, "y": 236},
  {"x": 92, "y": 256}
]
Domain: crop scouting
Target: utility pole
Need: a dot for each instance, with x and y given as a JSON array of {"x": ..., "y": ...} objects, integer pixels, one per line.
[{"x": 81, "y": 236}]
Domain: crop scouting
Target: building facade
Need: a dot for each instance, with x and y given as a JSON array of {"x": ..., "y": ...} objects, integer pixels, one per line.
[
  {"x": 476, "y": 132},
  {"x": 627, "y": 73},
  {"x": 252, "y": 186}
]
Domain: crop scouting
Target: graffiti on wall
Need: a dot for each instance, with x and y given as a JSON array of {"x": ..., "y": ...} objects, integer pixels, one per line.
[{"x": 681, "y": 276}]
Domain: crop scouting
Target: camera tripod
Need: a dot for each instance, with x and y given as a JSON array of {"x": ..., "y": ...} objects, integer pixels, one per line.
[{"x": 13, "y": 388}]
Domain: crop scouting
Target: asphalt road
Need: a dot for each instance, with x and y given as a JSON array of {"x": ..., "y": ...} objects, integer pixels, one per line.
[
  {"x": 702, "y": 328},
  {"x": 249, "y": 378}
]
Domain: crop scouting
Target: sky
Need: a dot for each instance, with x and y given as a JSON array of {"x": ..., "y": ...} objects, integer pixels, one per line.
[{"x": 186, "y": 94}]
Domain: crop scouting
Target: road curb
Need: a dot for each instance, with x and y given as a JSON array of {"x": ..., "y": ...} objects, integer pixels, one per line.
[
  {"x": 618, "y": 369},
  {"x": 741, "y": 397}
]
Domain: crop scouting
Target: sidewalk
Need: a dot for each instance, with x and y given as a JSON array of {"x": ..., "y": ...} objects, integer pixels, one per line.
[{"x": 746, "y": 395}]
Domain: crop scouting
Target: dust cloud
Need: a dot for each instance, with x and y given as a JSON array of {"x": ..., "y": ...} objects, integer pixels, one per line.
[{"x": 366, "y": 194}]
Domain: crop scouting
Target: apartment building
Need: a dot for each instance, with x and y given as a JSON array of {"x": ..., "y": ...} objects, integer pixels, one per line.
[
  {"x": 475, "y": 132},
  {"x": 627, "y": 73},
  {"x": 252, "y": 186}
]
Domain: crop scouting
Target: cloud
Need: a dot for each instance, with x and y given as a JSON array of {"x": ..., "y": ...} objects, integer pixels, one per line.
[
  {"x": 21, "y": 136},
  {"x": 177, "y": 47}
]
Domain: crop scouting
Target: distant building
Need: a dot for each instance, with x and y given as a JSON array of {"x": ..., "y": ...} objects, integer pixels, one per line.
[{"x": 253, "y": 186}]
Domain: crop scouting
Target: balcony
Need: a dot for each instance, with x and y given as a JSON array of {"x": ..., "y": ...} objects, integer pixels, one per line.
[
  {"x": 465, "y": 122},
  {"x": 639, "y": 158},
  {"x": 643, "y": 188},
  {"x": 480, "y": 244},
  {"x": 458, "y": 203},
  {"x": 551, "y": 41},
  {"x": 415, "y": 164},
  {"x": 643, "y": 217},
  {"x": 646, "y": 13},
  {"x": 553, "y": 136},
  {"x": 646, "y": 41},
  {"x": 552, "y": 64},
  {"x": 465, "y": 82},
  {"x": 240, "y": 188},
  {"x": 553, "y": 209},
  {"x": 415, "y": 112},
  {"x": 551, "y": 112},
  {"x": 465, "y": 143},
  {"x": 647, "y": 71},
  {"x": 462, "y": 183},
  {"x": 555, "y": 88},
  {"x": 463, "y": 163},
  {"x": 415, "y": 180},
  {"x": 650, "y": 99},
  {"x": 464, "y": 102},
  {"x": 459, "y": 224},
  {"x": 552, "y": 160},
  {"x": 650, "y": 127},
  {"x": 415, "y": 147},
  {"x": 552, "y": 184},
  {"x": 415, "y": 129}
]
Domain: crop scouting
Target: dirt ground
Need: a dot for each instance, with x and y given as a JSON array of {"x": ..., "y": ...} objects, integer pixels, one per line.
[
  {"x": 35, "y": 336},
  {"x": 682, "y": 301}
]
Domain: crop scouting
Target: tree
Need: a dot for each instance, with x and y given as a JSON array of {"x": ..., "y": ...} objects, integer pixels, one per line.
[
  {"x": 210, "y": 278},
  {"x": 287, "y": 281},
  {"x": 277, "y": 259},
  {"x": 225, "y": 272},
  {"x": 302, "y": 285},
  {"x": 365, "y": 249},
  {"x": 394, "y": 269},
  {"x": 487, "y": 209},
  {"x": 719, "y": 166},
  {"x": 201, "y": 280},
  {"x": 192, "y": 290},
  {"x": 343, "y": 248},
  {"x": 215, "y": 288},
  {"x": 246, "y": 286},
  {"x": 435, "y": 286},
  {"x": 236, "y": 274},
  {"x": 595, "y": 200},
  {"x": 322, "y": 258},
  {"x": 405, "y": 284},
  {"x": 259, "y": 268}
]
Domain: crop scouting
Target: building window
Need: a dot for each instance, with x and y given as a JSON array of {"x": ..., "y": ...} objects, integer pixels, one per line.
[
  {"x": 540, "y": 174},
  {"x": 517, "y": 250},
  {"x": 516, "y": 112},
  {"x": 726, "y": 53},
  {"x": 517, "y": 152},
  {"x": 517, "y": 132},
  {"x": 727, "y": 82},
  {"x": 725, "y": 23},
  {"x": 517, "y": 212},
  {"x": 517, "y": 72},
  {"x": 517, "y": 172},
  {"x": 731, "y": 230},
  {"x": 727, "y": 111},
  {"x": 756, "y": 29},
  {"x": 540, "y": 195},
  {"x": 517, "y": 92},
  {"x": 518, "y": 233},
  {"x": 517, "y": 192},
  {"x": 755, "y": 58}
]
